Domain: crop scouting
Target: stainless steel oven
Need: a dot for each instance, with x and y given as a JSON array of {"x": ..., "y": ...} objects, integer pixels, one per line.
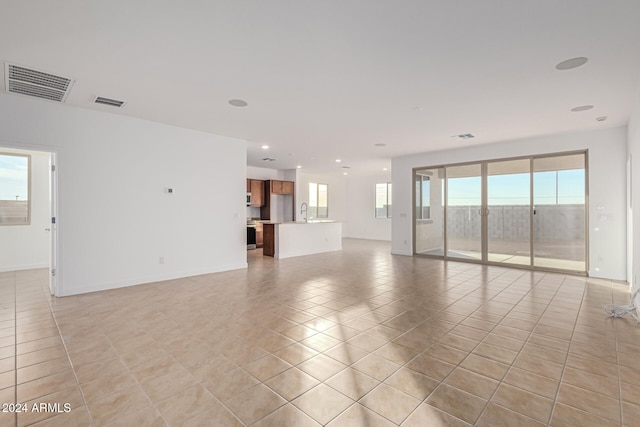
[{"x": 251, "y": 235}]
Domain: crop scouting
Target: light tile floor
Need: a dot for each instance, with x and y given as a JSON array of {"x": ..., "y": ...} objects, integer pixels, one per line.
[{"x": 350, "y": 338}]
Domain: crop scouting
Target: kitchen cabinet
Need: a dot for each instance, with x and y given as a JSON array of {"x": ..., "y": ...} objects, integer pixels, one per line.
[
  {"x": 278, "y": 208},
  {"x": 269, "y": 240},
  {"x": 281, "y": 187},
  {"x": 256, "y": 188},
  {"x": 259, "y": 235}
]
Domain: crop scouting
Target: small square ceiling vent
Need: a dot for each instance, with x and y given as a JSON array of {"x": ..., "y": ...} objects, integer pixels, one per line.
[{"x": 26, "y": 81}]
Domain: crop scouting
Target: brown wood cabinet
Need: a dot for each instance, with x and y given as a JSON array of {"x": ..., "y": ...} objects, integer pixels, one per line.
[
  {"x": 268, "y": 248},
  {"x": 281, "y": 187},
  {"x": 256, "y": 188}
]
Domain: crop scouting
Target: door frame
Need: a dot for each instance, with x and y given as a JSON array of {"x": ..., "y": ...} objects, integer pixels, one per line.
[
  {"x": 54, "y": 246},
  {"x": 484, "y": 222}
]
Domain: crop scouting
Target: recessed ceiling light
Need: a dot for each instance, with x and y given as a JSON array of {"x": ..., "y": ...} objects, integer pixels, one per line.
[
  {"x": 572, "y": 63},
  {"x": 265, "y": 147},
  {"x": 338, "y": 160},
  {"x": 238, "y": 102},
  {"x": 345, "y": 173},
  {"x": 380, "y": 145},
  {"x": 601, "y": 119},
  {"x": 299, "y": 167},
  {"x": 384, "y": 169},
  {"x": 582, "y": 108}
]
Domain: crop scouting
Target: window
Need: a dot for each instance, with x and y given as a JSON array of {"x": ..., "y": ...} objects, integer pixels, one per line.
[
  {"x": 383, "y": 200},
  {"x": 423, "y": 196},
  {"x": 14, "y": 189},
  {"x": 318, "y": 200}
]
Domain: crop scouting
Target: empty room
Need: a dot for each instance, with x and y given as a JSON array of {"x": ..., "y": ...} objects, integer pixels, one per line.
[{"x": 363, "y": 213}]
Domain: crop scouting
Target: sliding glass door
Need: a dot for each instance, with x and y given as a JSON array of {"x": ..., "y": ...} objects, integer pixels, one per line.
[
  {"x": 464, "y": 211},
  {"x": 508, "y": 211},
  {"x": 559, "y": 236},
  {"x": 527, "y": 212}
]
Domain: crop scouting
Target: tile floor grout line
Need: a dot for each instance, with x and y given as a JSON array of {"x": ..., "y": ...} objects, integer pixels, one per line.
[
  {"x": 470, "y": 300},
  {"x": 437, "y": 341},
  {"x": 564, "y": 365},
  {"x": 520, "y": 351},
  {"x": 66, "y": 349},
  {"x": 501, "y": 381}
]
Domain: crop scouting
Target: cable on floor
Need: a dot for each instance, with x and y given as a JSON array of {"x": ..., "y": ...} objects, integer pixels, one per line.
[{"x": 620, "y": 310}]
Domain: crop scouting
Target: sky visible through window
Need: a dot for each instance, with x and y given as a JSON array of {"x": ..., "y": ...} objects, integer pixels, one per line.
[
  {"x": 513, "y": 189},
  {"x": 14, "y": 177}
]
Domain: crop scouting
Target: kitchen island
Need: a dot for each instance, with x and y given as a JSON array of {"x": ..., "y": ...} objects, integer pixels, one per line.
[{"x": 290, "y": 239}]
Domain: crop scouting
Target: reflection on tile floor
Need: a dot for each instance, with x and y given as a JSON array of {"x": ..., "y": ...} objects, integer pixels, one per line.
[{"x": 351, "y": 338}]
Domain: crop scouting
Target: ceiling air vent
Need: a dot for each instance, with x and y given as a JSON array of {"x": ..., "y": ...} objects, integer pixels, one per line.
[
  {"x": 269, "y": 159},
  {"x": 108, "y": 101},
  {"x": 463, "y": 136},
  {"x": 26, "y": 81}
]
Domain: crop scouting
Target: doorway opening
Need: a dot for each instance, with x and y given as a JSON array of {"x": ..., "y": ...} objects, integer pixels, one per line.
[
  {"x": 28, "y": 209},
  {"x": 525, "y": 212}
]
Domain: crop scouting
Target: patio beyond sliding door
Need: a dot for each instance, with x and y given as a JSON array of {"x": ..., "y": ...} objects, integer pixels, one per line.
[
  {"x": 464, "y": 211},
  {"x": 528, "y": 212},
  {"x": 509, "y": 211},
  {"x": 559, "y": 214}
]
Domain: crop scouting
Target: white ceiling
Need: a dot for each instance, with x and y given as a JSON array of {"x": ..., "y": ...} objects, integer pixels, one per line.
[{"x": 329, "y": 79}]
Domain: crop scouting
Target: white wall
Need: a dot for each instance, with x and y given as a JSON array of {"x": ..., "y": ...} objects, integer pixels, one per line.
[
  {"x": 264, "y": 173},
  {"x": 361, "y": 221},
  {"x": 25, "y": 247},
  {"x": 114, "y": 218},
  {"x": 607, "y": 183},
  {"x": 633, "y": 147}
]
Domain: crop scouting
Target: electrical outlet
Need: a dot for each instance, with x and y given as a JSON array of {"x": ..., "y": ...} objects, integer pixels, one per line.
[{"x": 161, "y": 260}]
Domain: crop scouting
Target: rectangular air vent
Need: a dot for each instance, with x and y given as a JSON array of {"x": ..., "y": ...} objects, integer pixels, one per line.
[
  {"x": 269, "y": 159},
  {"x": 463, "y": 136},
  {"x": 108, "y": 101},
  {"x": 26, "y": 81}
]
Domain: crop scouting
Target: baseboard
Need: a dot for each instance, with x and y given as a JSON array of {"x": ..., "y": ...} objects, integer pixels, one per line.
[
  {"x": 4, "y": 269},
  {"x": 403, "y": 253},
  {"x": 97, "y": 287}
]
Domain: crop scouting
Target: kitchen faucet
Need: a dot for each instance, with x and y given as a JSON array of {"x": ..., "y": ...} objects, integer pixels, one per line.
[{"x": 303, "y": 210}]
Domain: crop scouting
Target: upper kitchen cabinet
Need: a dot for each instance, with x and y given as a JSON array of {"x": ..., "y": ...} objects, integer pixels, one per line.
[
  {"x": 256, "y": 188},
  {"x": 281, "y": 187}
]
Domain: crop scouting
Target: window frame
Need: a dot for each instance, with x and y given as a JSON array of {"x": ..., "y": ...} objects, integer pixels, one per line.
[
  {"x": 27, "y": 220},
  {"x": 388, "y": 197},
  {"x": 317, "y": 195},
  {"x": 420, "y": 207}
]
